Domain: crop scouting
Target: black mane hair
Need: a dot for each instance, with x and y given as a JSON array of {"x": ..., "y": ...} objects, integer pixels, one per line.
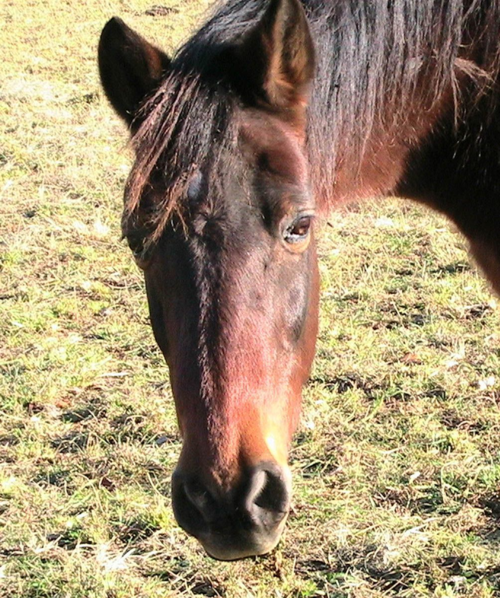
[{"x": 377, "y": 62}]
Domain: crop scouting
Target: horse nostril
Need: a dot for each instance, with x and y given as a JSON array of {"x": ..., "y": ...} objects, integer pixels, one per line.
[
  {"x": 201, "y": 499},
  {"x": 268, "y": 495},
  {"x": 194, "y": 507}
]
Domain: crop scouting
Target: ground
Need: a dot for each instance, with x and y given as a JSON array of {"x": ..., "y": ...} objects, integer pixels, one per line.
[{"x": 397, "y": 460}]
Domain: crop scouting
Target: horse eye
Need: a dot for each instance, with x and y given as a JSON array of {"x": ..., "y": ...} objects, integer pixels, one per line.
[
  {"x": 298, "y": 229},
  {"x": 137, "y": 247}
]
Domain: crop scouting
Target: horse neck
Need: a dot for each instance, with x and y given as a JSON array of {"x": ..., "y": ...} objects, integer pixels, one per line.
[
  {"x": 375, "y": 166},
  {"x": 379, "y": 92}
]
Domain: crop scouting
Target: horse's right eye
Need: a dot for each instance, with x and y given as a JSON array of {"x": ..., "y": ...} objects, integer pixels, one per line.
[
  {"x": 140, "y": 254},
  {"x": 136, "y": 245}
]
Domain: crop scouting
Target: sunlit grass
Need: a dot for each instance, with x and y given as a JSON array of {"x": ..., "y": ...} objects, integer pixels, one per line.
[{"x": 397, "y": 460}]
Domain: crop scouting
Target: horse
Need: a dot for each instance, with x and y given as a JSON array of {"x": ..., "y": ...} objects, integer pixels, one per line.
[{"x": 276, "y": 111}]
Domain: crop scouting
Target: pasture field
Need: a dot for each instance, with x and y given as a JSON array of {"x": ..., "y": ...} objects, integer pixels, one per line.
[{"x": 397, "y": 460}]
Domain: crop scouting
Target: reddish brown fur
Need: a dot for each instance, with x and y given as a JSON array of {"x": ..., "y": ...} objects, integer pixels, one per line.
[{"x": 275, "y": 144}]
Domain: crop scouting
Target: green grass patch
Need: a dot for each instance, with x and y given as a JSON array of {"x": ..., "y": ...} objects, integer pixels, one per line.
[{"x": 397, "y": 460}]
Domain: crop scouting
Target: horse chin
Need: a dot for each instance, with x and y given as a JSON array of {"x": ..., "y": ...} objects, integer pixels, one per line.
[{"x": 234, "y": 549}]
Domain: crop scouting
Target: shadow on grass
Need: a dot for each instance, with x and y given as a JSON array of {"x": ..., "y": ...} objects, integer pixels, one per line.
[
  {"x": 347, "y": 565},
  {"x": 73, "y": 442},
  {"x": 178, "y": 578}
]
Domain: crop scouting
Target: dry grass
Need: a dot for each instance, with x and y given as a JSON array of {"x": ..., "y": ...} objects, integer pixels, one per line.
[{"x": 397, "y": 462}]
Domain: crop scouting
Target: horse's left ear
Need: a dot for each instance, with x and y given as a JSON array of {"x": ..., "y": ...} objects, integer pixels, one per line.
[
  {"x": 130, "y": 67},
  {"x": 275, "y": 61}
]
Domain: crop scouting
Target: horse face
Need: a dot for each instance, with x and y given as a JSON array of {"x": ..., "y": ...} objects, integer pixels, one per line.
[
  {"x": 232, "y": 281},
  {"x": 233, "y": 301}
]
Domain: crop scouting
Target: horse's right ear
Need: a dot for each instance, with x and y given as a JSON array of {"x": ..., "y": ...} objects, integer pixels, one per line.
[{"x": 130, "y": 68}]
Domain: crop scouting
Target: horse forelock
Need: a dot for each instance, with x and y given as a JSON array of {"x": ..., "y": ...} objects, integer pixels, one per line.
[{"x": 186, "y": 124}]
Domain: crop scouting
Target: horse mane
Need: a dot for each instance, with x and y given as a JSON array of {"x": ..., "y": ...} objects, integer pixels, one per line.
[
  {"x": 374, "y": 61},
  {"x": 389, "y": 62}
]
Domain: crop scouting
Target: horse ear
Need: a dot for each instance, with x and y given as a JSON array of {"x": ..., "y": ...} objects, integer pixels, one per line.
[
  {"x": 277, "y": 57},
  {"x": 130, "y": 67}
]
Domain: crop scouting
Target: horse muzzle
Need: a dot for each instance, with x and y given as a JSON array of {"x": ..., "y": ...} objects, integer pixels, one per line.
[{"x": 240, "y": 522}]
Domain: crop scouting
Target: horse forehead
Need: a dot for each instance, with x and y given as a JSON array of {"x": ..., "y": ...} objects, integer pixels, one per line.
[{"x": 278, "y": 143}]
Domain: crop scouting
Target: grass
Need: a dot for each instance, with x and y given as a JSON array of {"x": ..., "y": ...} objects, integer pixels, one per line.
[{"x": 397, "y": 460}]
